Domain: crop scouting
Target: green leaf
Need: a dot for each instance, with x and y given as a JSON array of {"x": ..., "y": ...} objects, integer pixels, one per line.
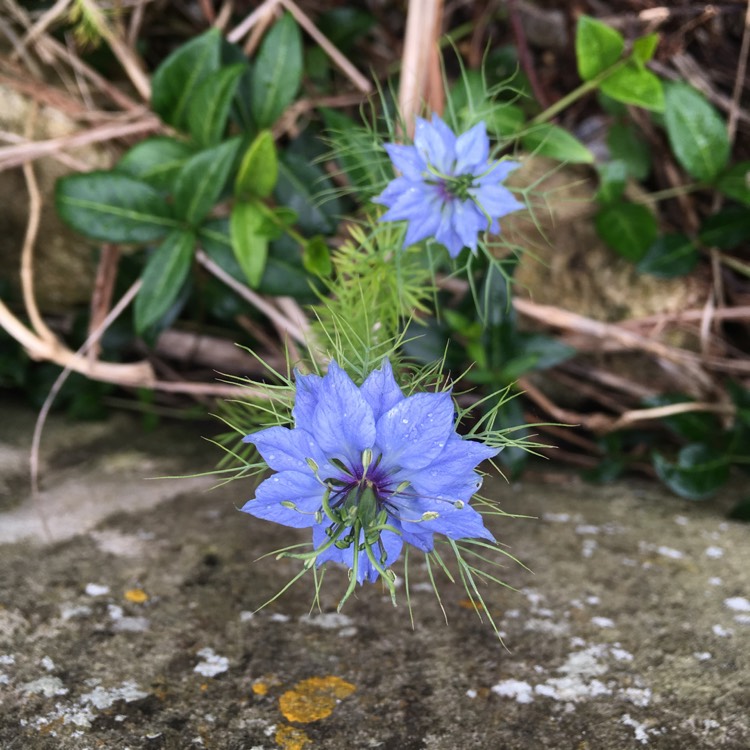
[
  {"x": 633, "y": 84},
  {"x": 557, "y": 143},
  {"x": 644, "y": 48},
  {"x": 735, "y": 182},
  {"x": 505, "y": 120},
  {"x": 727, "y": 229},
  {"x": 669, "y": 256},
  {"x": 156, "y": 161},
  {"x": 696, "y": 132},
  {"x": 299, "y": 187},
  {"x": 208, "y": 109},
  {"x": 163, "y": 277},
  {"x": 598, "y": 47},
  {"x": 698, "y": 472},
  {"x": 176, "y": 79},
  {"x": 113, "y": 207},
  {"x": 317, "y": 257},
  {"x": 628, "y": 228},
  {"x": 627, "y": 146},
  {"x": 202, "y": 180},
  {"x": 693, "y": 426},
  {"x": 277, "y": 73},
  {"x": 249, "y": 240},
  {"x": 259, "y": 169},
  {"x": 612, "y": 178}
]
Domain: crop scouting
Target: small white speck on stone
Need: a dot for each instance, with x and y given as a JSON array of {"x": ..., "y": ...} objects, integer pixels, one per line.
[
  {"x": 681, "y": 520},
  {"x": 556, "y": 517},
  {"x": 512, "y": 613},
  {"x": 7, "y": 659},
  {"x": 246, "y": 616},
  {"x": 46, "y": 686},
  {"x": 96, "y": 589},
  {"x": 640, "y": 697},
  {"x": 114, "y": 611},
  {"x": 640, "y": 730},
  {"x": 584, "y": 528},
  {"x": 103, "y": 698},
  {"x": 279, "y": 617},
  {"x": 709, "y": 724},
  {"x": 721, "y": 631},
  {"x": 471, "y": 693},
  {"x": 131, "y": 625},
  {"x": 742, "y": 619},
  {"x": 737, "y": 604},
  {"x": 715, "y": 581},
  {"x": 545, "y": 612},
  {"x": 521, "y": 691},
  {"x": 74, "y": 612},
  {"x": 349, "y": 632},
  {"x": 327, "y": 620},
  {"x": 588, "y": 547},
  {"x": 592, "y": 600},
  {"x": 621, "y": 654},
  {"x": 602, "y": 622},
  {"x": 46, "y": 663},
  {"x": 674, "y": 554},
  {"x": 714, "y": 553},
  {"x": 702, "y": 655},
  {"x": 212, "y": 663}
]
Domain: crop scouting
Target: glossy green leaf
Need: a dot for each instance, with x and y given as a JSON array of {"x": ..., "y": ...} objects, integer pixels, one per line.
[
  {"x": 628, "y": 228},
  {"x": 113, "y": 207},
  {"x": 208, "y": 108},
  {"x": 557, "y": 143},
  {"x": 612, "y": 178},
  {"x": 696, "y": 132},
  {"x": 669, "y": 256},
  {"x": 598, "y": 47},
  {"x": 259, "y": 169},
  {"x": 156, "y": 161},
  {"x": 299, "y": 187},
  {"x": 644, "y": 48},
  {"x": 163, "y": 277},
  {"x": 505, "y": 120},
  {"x": 317, "y": 257},
  {"x": 277, "y": 73},
  {"x": 726, "y": 229},
  {"x": 249, "y": 239},
  {"x": 735, "y": 182},
  {"x": 202, "y": 180},
  {"x": 627, "y": 145},
  {"x": 693, "y": 426},
  {"x": 633, "y": 84},
  {"x": 175, "y": 81},
  {"x": 697, "y": 474}
]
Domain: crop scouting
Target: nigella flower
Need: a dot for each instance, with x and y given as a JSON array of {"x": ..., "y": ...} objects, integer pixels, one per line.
[
  {"x": 448, "y": 188},
  {"x": 369, "y": 469}
]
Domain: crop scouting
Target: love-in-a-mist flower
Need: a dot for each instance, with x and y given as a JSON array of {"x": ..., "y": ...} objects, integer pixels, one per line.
[
  {"x": 448, "y": 187},
  {"x": 369, "y": 469}
]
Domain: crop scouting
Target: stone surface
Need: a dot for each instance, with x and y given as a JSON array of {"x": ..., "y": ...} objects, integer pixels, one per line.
[{"x": 633, "y": 629}]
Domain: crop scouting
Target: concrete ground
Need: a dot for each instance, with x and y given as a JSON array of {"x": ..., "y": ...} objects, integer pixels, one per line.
[{"x": 127, "y": 617}]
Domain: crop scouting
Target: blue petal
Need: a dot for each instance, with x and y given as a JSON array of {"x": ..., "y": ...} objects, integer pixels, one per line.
[
  {"x": 409, "y": 203},
  {"x": 288, "y": 450},
  {"x": 435, "y": 142},
  {"x": 496, "y": 200},
  {"x": 287, "y": 486},
  {"x": 380, "y": 390},
  {"x": 472, "y": 150},
  {"x": 468, "y": 222},
  {"x": 425, "y": 222},
  {"x": 414, "y": 432},
  {"x": 457, "y": 523},
  {"x": 394, "y": 190},
  {"x": 500, "y": 170},
  {"x": 451, "y": 476},
  {"x": 392, "y": 544},
  {"x": 343, "y": 424},
  {"x": 307, "y": 388},
  {"x": 446, "y": 233},
  {"x": 407, "y": 160}
]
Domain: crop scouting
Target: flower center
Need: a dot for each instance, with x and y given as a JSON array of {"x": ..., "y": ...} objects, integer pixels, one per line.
[{"x": 454, "y": 187}]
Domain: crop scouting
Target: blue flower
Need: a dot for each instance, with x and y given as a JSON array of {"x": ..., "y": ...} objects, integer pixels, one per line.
[
  {"x": 369, "y": 469},
  {"x": 448, "y": 189}
]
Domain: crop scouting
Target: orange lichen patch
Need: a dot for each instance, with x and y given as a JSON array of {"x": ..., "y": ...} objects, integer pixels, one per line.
[
  {"x": 291, "y": 738},
  {"x": 260, "y": 688},
  {"x": 466, "y": 603},
  {"x": 137, "y": 596},
  {"x": 314, "y": 699}
]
